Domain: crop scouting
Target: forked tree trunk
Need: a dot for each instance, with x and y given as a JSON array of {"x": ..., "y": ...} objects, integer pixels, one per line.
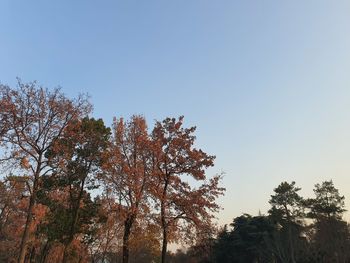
[
  {"x": 25, "y": 237},
  {"x": 26, "y": 233}
]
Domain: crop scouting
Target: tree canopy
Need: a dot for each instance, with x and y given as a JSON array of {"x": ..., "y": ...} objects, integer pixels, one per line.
[{"x": 75, "y": 190}]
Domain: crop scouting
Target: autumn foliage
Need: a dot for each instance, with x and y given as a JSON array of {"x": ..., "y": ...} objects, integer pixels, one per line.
[{"x": 74, "y": 190}]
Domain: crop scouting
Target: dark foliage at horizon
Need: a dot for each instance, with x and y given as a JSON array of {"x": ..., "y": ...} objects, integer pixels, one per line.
[{"x": 296, "y": 230}]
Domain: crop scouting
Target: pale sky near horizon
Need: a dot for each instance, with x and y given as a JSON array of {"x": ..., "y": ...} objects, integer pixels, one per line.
[{"x": 266, "y": 83}]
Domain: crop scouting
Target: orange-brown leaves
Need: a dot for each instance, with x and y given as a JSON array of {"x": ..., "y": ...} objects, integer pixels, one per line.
[
  {"x": 176, "y": 159},
  {"x": 25, "y": 163},
  {"x": 127, "y": 164}
]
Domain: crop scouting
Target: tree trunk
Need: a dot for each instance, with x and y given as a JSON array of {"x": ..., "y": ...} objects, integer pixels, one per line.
[
  {"x": 45, "y": 251},
  {"x": 164, "y": 245},
  {"x": 127, "y": 230},
  {"x": 32, "y": 255},
  {"x": 25, "y": 237},
  {"x": 74, "y": 222},
  {"x": 163, "y": 221},
  {"x": 291, "y": 245}
]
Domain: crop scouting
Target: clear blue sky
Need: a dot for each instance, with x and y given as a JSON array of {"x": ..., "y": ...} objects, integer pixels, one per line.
[{"x": 266, "y": 82}]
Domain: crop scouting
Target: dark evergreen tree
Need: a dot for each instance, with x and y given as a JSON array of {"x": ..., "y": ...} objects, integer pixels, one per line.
[
  {"x": 287, "y": 212},
  {"x": 330, "y": 236},
  {"x": 76, "y": 159}
]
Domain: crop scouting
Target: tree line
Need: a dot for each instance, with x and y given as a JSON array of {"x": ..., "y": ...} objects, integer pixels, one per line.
[
  {"x": 295, "y": 230},
  {"x": 75, "y": 190}
]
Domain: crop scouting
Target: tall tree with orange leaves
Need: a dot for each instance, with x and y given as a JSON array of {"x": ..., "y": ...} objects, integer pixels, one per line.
[
  {"x": 31, "y": 119},
  {"x": 175, "y": 160},
  {"x": 127, "y": 172}
]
